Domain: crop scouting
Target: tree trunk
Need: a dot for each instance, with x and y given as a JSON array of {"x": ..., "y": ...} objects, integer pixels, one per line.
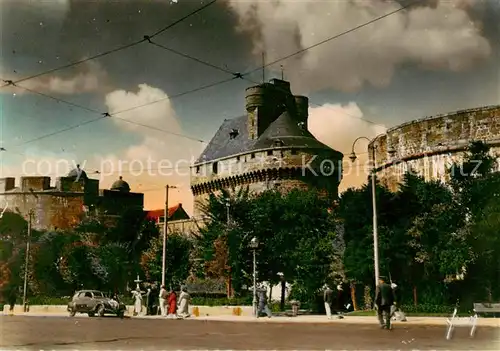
[
  {"x": 283, "y": 292},
  {"x": 353, "y": 296},
  {"x": 229, "y": 287},
  {"x": 415, "y": 295}
]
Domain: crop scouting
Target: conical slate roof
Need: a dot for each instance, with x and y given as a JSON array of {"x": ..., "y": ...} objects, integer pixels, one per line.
[{"x": 286, "y": 131}]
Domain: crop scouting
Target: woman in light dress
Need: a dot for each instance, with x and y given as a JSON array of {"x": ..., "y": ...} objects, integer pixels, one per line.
[
  {"x": 136, "y": 294},
  {"x": 183, "y": 303}
]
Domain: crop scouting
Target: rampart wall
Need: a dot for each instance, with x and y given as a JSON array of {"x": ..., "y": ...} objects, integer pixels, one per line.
[{"x": 430, "y": 145}]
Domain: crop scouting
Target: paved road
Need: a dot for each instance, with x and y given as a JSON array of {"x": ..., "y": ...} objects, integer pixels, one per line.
[{"x": 127, "y": 334}]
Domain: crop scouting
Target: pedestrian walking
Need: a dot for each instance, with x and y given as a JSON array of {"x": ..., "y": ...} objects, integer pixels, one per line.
[
  {"x": 163, "y": 301},
  {"x": 328, "y": 300},
  {"x": 153, "y": 300},
  {"x": 184, "y": 300},
  {"x": 263, "y": 306},
  {"x": 172, "y": 304},
  {"x": 12, "y": 299},
  {"x": 384, "y": 299}
]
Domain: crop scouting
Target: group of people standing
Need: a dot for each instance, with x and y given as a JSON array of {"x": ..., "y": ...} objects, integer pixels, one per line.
[
  {"x": 329, "y": 299},
  {"x": 386, "y": 303},
  {"x": 168, "y": 303},
  {"x": 163, "y": 302}
]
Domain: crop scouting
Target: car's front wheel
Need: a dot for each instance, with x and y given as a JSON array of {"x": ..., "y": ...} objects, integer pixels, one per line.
[
  {"x": 91, "y": 314},
  {"x": 121, "y": 314},
  {"x": 72, "y": 312}
]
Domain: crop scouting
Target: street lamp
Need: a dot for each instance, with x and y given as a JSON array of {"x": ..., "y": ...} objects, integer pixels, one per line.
[
  {"x": 228, "y": 228},
  {"x": 254, "y": 244},
  {"x": 165, "y": 229},
  {"x": 26, "y": 261},
  {"x": 353, "y": 158}
]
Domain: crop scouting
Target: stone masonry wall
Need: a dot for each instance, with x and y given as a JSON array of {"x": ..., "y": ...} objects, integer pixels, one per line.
[
  {"x": 238, "y": 165},
  {"x": 50, "y": 211},
  {"x": 429, "y": 146}
]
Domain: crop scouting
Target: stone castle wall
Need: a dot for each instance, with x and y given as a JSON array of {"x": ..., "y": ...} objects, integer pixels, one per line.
[
  {"x": 49, "y": 210},
  {"x": 259, "y": 171},
  {"x": 429, "y": 146},
  {"x": 62, "y": 206}
]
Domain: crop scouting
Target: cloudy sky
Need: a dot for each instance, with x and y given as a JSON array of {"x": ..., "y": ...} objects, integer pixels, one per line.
[{"x": 434, "y": 57}]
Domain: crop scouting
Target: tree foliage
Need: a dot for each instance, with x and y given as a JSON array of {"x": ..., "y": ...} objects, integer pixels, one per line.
[
  {"x": 294, "y": 231},
  {"x": 178, "y": 261}
]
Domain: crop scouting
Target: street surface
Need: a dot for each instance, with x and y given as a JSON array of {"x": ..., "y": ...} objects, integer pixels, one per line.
[{"x": 38, "y": 333}]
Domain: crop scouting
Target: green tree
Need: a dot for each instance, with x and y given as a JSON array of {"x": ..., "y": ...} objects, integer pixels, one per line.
[
  {"x": 178, "y": 260},
  {"x": 294, "y": 231}
]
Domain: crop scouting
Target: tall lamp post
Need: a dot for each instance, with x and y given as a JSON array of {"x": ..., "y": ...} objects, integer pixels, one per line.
[
  {"x": 353, "y": 158},
  {"x": 26, "y": 261},
  {"x": 165, "y": 229},
  {"x": 254, "y": 244},
  {"x": 229, "y": 291}
]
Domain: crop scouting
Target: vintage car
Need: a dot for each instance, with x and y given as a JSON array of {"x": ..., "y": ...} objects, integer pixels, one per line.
[{"x": 93, "y": 302}]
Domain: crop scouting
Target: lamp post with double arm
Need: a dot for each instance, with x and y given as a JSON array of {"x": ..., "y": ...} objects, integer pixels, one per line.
[{"x": 353, "y": 158}]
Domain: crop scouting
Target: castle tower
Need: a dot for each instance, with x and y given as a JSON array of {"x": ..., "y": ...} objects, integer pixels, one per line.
[{"x": 269, "y": 147}]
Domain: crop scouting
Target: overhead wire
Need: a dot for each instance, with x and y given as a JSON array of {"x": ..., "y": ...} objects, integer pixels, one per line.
[
  {"x": 108, "y": 52},
  {"x": 403, "y": 7},
  {"x": 242, "y": 76},
  {"x": 105, "y": 115},
  {"x": 235, "y": 75}
]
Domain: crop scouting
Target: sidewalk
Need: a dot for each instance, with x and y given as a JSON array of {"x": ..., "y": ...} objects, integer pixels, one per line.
[{"x": 310, "y": 319}]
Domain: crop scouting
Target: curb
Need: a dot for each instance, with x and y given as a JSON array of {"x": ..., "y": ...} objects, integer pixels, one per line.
[{"x": 416, "y": 321}]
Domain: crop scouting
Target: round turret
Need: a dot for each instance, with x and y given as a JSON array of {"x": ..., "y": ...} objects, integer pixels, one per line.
[
  {"x": 120, "y": 185},
  {"x": 255, "y": 97},
  {"x": 77, "y": 173}
]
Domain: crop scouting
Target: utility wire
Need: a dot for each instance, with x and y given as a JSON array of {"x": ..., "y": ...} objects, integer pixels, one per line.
[
  {"x": 242, "y": 76},
  {"x": 235, "y": 75},
  {"x": 334, "y": 37},
  {"x": 113, "y": 115},
  {"x": 77, "y": 62},
  {"x": 183, "y": 18},
  {"x": 207, "y": 86},
  {"x": 53, "y": 98},
  {"x": 120, "y": 48}
]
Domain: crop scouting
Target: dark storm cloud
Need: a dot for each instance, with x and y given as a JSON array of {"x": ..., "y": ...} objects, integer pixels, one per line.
[
  {"x": 40, "y": 35},
  {"x": 37, "y": 37}
]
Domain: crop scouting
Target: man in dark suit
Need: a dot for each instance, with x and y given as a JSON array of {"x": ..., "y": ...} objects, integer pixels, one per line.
[{"x": 384, "y": 299}]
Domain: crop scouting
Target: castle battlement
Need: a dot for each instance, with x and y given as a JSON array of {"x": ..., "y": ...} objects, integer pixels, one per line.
[{"x": 71, "y": 197}]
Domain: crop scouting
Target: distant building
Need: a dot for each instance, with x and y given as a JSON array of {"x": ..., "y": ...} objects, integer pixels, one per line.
[
  {"x": 429, "y": 146},
  {"x": 178, "y": 219},
  {"x": 175, "y": 213},
  {"x": 269, "y": 147},
  {"x": 64, "y": 205}
]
